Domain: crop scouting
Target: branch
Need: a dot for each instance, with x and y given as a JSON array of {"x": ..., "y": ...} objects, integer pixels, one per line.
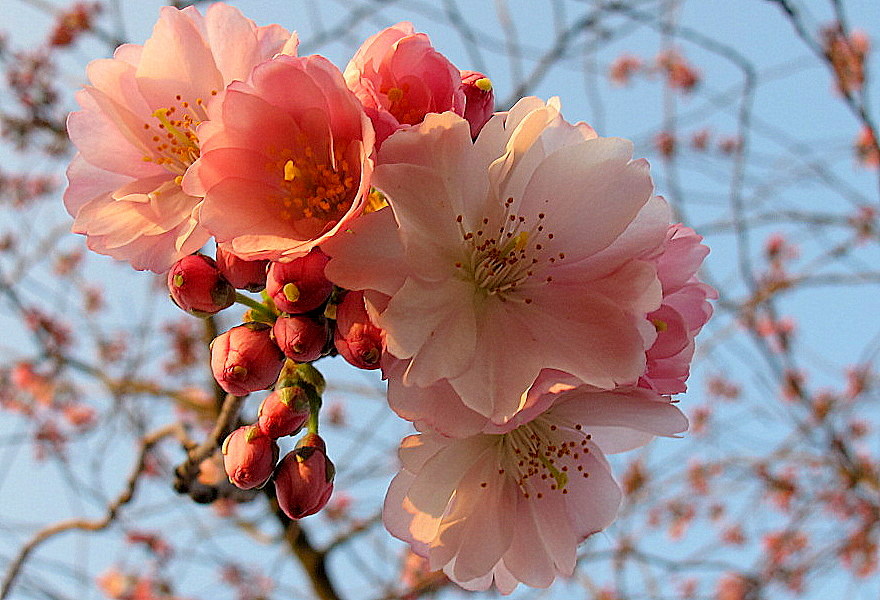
[
  {"x": 313, "y": 561},
  {"x": 113, "y": 508}
]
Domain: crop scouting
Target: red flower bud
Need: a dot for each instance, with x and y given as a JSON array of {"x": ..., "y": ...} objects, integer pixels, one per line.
[
  {"x": 304, "y": 478},
  {"x": 243, "y": 274},
  {"x": 301, "y": 338},
  {"x": 357, "y": 339},
  {"x": 245, "y": 359},
  {"x": 197, "y": 286},
  {"x": 284, "y": 411},
  {"x": 479, "y": 99},
  {"x": 299, "y": 286},
  {"x": 249, "y": 457}
]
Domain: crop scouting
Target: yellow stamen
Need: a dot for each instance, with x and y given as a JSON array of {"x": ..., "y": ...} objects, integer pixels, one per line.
[{"x": 291, "y": 171}]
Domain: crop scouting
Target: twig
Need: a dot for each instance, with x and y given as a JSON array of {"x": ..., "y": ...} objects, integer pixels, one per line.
[
  {"x": 187, "y": 471},
  {"x": 127, "y": 495}
]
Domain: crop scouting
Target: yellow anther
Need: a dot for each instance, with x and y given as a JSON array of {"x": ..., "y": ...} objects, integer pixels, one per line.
[
  {"x": 484, "y": 84},
  {"x": 375, "y": 201},
  {"x": 520, "y": 241},
  {"x": 291, "y": 171},
  {"x": 660, "y": 325}
]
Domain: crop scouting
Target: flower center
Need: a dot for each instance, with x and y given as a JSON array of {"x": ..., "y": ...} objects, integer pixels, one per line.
[
  {"x": 315, "y": 189},
  {"x": 400, "y": 105},
  {"x": 174, "y": 143},
  {"x": 499, "y": 259},
  {"x": 541, "y": 456}
]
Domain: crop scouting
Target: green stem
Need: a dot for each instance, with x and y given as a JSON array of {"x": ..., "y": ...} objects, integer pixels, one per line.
[
  {"x": 314, "y": 410},
  {"x": 259, "y": 308}
]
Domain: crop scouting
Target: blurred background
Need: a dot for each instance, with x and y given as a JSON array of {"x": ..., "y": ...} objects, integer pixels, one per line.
[{"x": 759, "y": 120}]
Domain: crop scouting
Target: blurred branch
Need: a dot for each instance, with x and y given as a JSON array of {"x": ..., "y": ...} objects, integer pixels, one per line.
[{"x": 113, "y": 509}]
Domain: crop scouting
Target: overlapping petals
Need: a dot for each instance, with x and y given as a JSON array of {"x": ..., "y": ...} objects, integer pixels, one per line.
[
  {"x": 516, "y": 253},
  {"x": 682, "y": 314},
  {"x": 136, "y": 132},
  {"x": 511, "y": 504},
  {"x": 285, "y": 162},
  {"x": 399, "y": 77}
]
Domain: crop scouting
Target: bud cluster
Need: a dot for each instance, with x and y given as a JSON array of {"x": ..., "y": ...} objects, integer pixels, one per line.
[
  {"x": 302, "y": 317},
  {"x": 304, "y": 477}
]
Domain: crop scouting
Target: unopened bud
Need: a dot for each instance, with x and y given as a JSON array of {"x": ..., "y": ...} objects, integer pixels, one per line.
[
  {"x": 249, "y": 457},
  {"x": 243, "y": 274},
  {"x": 197, "y": 286},
  {"x": 284, "y": 411},
  {"x": 479, "y": 99},
  {"x": 245, "y": 359},
  {"x": 357, "y": 339},
  {"x": 301, "y": 338},
  {"x": 304, "y": 478},
  {"x": 299, "y": 286}
]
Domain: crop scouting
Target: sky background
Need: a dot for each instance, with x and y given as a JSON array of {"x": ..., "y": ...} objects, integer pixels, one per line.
[{"x": 798, "y": 127}]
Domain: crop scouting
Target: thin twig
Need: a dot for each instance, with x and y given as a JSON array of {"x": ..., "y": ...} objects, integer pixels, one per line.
[{"x": 127, "y": 495}]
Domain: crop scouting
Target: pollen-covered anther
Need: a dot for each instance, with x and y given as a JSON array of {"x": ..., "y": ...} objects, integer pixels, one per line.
[
  {"x": 175, "y": 145},
  {"x": 322, "y": 189},
  {"x": 500, "y": 264}
]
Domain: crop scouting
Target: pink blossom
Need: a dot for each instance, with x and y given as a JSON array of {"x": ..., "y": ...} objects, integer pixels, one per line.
[
  {"x": 284, "y": 411},
  {"x": 518, "y": 252},
  {"x": 197, "y": 286},
  {"x": 299, "y": 286},
  {"x": 399, "y": 77},
  {"x": 682, "y": 314},
  {"x": 512, "y": 503},
  {"x": 302, "y": 338},
  {"x": 242, "y": 274},
  {"x": 285, "y": 160},
  {"x": 245, "y": 359},
  {"x": 136, "y": 132}
]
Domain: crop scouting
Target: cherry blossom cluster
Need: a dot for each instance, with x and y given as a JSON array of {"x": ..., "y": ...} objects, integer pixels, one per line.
[{"x": 513, "y": 275}]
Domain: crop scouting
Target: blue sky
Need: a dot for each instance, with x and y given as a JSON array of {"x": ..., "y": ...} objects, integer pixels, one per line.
[{"x": 837, "y": 326}]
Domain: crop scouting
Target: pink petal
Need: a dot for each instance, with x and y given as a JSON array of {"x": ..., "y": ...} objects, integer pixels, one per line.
[
  {"x": 367, "y": 254},
  {"x": 592, "y": 502},
  {"x": 635, "y": 409},
  {"x": 435, "y": 325},
  {"x": 599, "y": 182},
  {"x": 176, "y": 59}
]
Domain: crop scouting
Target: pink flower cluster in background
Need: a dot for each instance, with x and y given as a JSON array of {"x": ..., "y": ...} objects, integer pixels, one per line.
[{"x": 512, "y": 274}]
